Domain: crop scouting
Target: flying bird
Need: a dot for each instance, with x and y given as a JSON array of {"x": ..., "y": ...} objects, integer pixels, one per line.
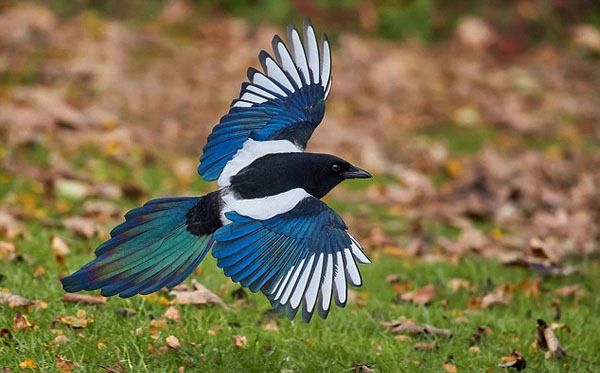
[{"x": 266, "y": 224}]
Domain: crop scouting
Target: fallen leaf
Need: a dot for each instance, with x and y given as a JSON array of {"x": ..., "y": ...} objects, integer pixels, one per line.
[
  {"x": 172, "y": 313},
  {"x": 81, "y": 226},
  {"x": 497, "y": 298},
  {"x": 214, "y": 330},
  {"x": 28, "y": 364},
  {"x": 270, "y": 325},
  {"x": 10, "y": 228},
  {"x": 425, "y": 346},
  {"x": 239, "y": 341},
  {"x": 154, "y": 327},
  {"x": 173, "y": 342},
  {"x": 450, "y": 368},
  {"x": 568, "y": 291},
  {"x": 75, "y": 322},
  {"x": 64, "y": 365},
  {"x": 515, "y": 361},
  {"x": 20, "y": 322},
  {"x": 531, "y": 287},
  {"x": 39, "y": 271},
  {"x": 101, "y": 346},
  {"x": 14, "y": 300},
  {"x": 403, "y": 325},
  {"x": 60, "y": 249},
  {"x": 8, "y": 251},
  {"x": 456, "y": 284},
  {"x": 84, "y": 298},
  {"x": 421, "y": 296},
  {"x": 199, "y": 295},
  {"x": 61, "y": 339},
  {"x": 547, "y": 340}
]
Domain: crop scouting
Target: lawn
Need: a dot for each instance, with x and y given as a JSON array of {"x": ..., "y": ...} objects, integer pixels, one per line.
[
  {"x": 481, "y": 220},
  {"x": 123, "y": 332}
]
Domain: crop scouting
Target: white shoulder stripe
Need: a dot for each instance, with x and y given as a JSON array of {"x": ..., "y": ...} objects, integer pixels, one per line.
[
  {"x": 266, "y": 207},
  {"x": 251, "y": 151}
]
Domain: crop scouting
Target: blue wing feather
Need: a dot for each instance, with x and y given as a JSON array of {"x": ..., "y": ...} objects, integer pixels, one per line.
[
  {"x": 271, "y": 106},
  {"x": 261, "y": 254}
]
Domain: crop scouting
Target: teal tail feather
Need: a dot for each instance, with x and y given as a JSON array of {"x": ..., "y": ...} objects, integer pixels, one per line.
[{"x": 152, "y": 249}]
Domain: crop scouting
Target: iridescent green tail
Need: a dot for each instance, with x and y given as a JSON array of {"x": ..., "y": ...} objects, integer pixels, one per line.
[{"x": 152, "y": 249}]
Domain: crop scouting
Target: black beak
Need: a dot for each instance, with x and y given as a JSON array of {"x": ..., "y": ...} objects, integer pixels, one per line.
[{"x": 356, "y": 173}]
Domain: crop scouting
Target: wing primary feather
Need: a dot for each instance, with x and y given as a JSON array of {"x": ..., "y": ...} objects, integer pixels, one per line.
[{"x": 312, "y": 50}]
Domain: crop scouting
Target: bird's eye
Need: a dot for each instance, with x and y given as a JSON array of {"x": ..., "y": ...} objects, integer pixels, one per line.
[{"x": 335, "y": 168}]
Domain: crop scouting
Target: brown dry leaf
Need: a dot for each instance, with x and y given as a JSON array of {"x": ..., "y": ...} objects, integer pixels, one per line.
[
  {"x": 172, "y": 313},
  {"x": 421, "y": 296},
  {"x": 60, "y": 249},
  {"x": 75, "y": 322},
  {"x": 547, "y": 340},
  {"x": 8, "y": 251},
  {"x": 450, "y": 368},
  {"x": 515, "y": 361},
  {"x": 199, "y": 295},
  {"x": 239, "y": 341},
  {"x": 84, "y": 298},
  {"x": 426, "y": 346},
  {"x": 28, "y": 364},
  {"x": 531, "y": 287},
  {"x": 173, "y": 342},
  {"x": 101, "y": 346},
  {"x": 61, "y": 339},
  {"x": 39, "y": 271},
  {"x": 214, "y": 330},
  {"x": 404, "y": 325},
  {"x": 10, "y": 228},
  {"x": 497, "y": 298},
  {"x": 81, "y": 226},
  {"x": 20, "y": 322},
  {"x": 270, "y": 325},
  {"x": 456, "y": 284},
  {"x": 14, "y": 300},
  {"x": 568, "y": 291},
  {"x": 154, "y": 327},
  {"x": 64, "y": 365},
  {"x": 101, "y": 210}
]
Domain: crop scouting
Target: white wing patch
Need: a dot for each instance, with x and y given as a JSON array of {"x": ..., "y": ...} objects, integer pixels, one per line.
[
  {"x": 251, "y": 151},
  {"x": 263, "y": 208}
]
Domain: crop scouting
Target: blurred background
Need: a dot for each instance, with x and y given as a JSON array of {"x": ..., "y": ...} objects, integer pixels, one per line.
[{"x": 479, "y": 118}]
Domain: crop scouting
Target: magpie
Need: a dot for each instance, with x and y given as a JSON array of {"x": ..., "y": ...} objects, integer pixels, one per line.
[{"x": 266, "y": 224}]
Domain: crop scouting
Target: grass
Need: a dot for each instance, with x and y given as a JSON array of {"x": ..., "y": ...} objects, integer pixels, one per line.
[{"x": 350, "y": 336}]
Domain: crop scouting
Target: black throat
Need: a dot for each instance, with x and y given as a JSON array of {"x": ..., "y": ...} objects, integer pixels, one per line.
[{"x": 279, "y": 172}]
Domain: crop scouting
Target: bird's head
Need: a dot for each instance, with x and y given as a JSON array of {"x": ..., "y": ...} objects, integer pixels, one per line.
[{"x": 327, "y": 171}]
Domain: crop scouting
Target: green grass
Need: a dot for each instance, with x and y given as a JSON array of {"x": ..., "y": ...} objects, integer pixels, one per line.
[{"x": 350, "y": 336}]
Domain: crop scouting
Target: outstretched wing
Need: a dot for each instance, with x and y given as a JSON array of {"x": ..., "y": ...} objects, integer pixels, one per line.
[
  {"x": 284, "y": 102},
  {"x": 303, "y": 256}
]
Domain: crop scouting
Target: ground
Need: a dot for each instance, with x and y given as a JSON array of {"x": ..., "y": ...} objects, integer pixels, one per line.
[{"x": 480, "y": 220}]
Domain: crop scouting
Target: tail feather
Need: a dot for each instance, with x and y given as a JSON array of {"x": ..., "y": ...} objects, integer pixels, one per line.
[{"x": 152, "y": 249}]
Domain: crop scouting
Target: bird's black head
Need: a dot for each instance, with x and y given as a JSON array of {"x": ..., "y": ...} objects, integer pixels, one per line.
[
  {"x": 275, "y": 173},
  {"x": 324, "y": 172}
]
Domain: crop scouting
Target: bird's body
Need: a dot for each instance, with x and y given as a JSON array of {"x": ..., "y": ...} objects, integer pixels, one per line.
[{"x": 265, "y": 224}]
